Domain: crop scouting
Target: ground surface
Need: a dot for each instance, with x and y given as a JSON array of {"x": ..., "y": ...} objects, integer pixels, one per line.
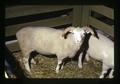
[{"x": 45, "y": 68}]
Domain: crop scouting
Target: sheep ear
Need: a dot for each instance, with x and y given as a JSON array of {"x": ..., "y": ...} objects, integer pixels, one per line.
[
  {"x": 66, "y": 32},
  {"x": 90, "y": 30}
]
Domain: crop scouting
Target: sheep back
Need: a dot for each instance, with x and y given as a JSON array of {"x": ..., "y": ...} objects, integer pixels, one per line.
[
  {"x": 46, "y": 41},
  {"x": 102, "y": 49}
]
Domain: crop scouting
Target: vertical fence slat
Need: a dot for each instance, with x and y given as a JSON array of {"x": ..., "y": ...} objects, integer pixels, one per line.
[
  {"x": 77, "y": 14},
  {"x": 85, "y": 15}
]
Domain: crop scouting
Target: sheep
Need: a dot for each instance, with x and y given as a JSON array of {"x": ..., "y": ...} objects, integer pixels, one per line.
[
  {"x": 100, "y": 48},
  {"x": 49, "y": 41}
]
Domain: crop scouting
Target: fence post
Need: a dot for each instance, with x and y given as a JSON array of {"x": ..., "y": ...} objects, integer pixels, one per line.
[
  {"x": 85, "y": 15},
  {"x": 77, "y": 13}
]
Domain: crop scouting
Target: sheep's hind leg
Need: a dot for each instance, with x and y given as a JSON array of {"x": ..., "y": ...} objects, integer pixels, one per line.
[
  {"x": 26, "y": 63},
  {"x": 32, "y": 55},
  {"x": 33, "y": 61},
  {"x": 104, "y": 70},
  {"x": 62, "y": 65},
  {"x": 111, "y": 74}
]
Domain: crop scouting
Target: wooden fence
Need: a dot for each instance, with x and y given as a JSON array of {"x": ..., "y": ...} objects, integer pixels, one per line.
[{"x": 102, "y": 19}]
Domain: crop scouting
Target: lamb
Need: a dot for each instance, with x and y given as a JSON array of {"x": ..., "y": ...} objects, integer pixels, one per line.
[
  {"x": 49, "y": 41},
  {"x": 102, "y": 49}
]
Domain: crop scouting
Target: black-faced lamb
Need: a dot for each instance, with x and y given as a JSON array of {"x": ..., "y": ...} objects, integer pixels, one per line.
[{"x": 102, "y": 49}]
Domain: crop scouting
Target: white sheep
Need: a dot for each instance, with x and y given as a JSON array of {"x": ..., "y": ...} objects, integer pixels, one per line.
[
  {"x": 102, "y": 49},
  {"x": 49, "y": 41}
]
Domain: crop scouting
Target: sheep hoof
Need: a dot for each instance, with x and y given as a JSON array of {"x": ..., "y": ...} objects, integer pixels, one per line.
[
  {"x": 101, "y": 77},
  {"x": 110, "y": 76},
  {"x": 27, "y": 68},
  {"x": 33, "y": 61},
  {"x": 57, "y": 71},
  {"x": 80, "y": 66},
  {"x": 87, "y": 59},
  {"x": 61, "y": 67}
]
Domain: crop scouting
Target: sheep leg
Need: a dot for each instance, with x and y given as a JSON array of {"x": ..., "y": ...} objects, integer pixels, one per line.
[
  {"x": 58, "y": 65},
  {"x": 82, "y": 55},
  {"x": 33, "y": 61},
  {"x": 32, "y": 55},
  {"x": 87, "y": 57},
  {"x": 111, "y": 74},
  {"x": 80, "y": 61},
  {"x": 104, "y": 70},
  {"x": 62, "y": 65},
  {"x": 26, "y": 63}
]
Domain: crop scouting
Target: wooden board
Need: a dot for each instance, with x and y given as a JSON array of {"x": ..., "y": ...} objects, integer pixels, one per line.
[
  {"x": 102, "y": 26},
  {"x": 77, "y": 16},
  {"x": 23, "y": 10},
  {"x": 13, "y": 47},
  {"x": 85, "y": 15},
  {"x": 11, "y": 30},
  {"x": 104, "y": 10}
]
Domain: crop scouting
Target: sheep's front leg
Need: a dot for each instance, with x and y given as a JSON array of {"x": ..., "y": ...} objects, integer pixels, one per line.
[
  {"x": 80, "y": 61},
  {"x": 87, "y": 57},
  {"x": 111, "y": 74},
  {"x": 59, "y": 65},
  {"x": 104, "y": 70}
]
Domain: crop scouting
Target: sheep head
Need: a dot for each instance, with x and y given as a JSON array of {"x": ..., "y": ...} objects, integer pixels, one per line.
[
  {"x": 87, "y": 30},
  {"x": 78, "y": 33}
]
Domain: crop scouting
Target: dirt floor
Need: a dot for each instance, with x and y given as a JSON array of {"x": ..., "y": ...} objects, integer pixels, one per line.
[{"x": 45, "y": 68}]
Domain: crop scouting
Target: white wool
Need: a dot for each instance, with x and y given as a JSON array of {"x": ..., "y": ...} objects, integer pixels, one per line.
[
  {"x": 78, "y": 35},
  {"x": 105, "y": 54}
]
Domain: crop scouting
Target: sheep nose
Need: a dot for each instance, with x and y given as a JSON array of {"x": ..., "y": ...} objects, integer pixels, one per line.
[{"x": 84, "y": 33}]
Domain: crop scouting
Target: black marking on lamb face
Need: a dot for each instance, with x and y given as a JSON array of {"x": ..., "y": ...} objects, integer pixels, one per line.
[
  {"x": 95, "y": 33},
  {"x": 65, "y": 36},
  {"x": 83, "y": 37},
  {"x": 83, "y": 47}
]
